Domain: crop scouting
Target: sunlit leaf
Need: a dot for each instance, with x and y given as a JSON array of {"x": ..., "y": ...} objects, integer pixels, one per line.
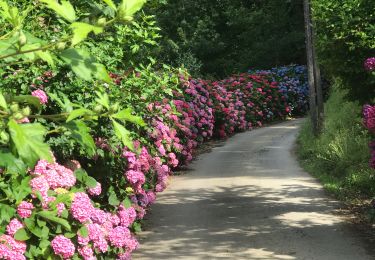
[
  {"x": 65, "y": 9},
  {"x": 29, "y": 142},
  {"x": 123, "y": 134},
  {"x": 81, "y": 30}
]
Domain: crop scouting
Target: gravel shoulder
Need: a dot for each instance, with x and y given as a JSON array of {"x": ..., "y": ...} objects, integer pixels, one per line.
[{"x": 249, "y": 199}]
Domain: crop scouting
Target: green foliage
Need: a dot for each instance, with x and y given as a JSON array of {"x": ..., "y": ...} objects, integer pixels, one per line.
[
  {"x": 46, "y": 38},
  {"x": 226, "y": 36},
  {"x": 28, "y": 140},
  {"x": 339, "y": 156},
  {"x": 345, "y": 39}
]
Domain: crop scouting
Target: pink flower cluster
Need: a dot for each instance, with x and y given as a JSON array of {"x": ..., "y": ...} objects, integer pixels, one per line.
[
  {"x": 369, "y": 123},
  {"x": 41, "y": 95},
  {"x": 63, "y": 247},
  {"x": 369, "y": 64},
  {"x": 50, "y": 176},
  {"x": 369, "y": 117},
  {"x": 197, "y": 112},
  {"x": 10, "y": 248}
]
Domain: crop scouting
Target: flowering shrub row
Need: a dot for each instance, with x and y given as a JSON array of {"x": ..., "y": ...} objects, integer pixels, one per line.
[
  {"x": 63, "y": 211},
  {"x": 369, "y": 112}
]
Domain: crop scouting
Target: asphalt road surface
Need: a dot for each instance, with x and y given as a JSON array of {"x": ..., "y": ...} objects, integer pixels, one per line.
[{"x": 249, "y": 199}]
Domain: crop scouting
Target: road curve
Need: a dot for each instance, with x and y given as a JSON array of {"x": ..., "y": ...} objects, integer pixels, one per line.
[{"x": 249, "y": 199}]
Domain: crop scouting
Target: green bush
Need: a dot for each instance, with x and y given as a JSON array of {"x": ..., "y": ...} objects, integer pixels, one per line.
[
  {"x": 345, "y": 39},
  {"x": 339, "y": 156}
]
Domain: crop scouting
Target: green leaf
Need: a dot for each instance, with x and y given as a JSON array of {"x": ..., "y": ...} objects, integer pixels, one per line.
[
  {"x": 102, "y": 99},
  {"x": 127, "y": 203},
  {"x": 83, "y": 64},
  {"x": 11, "y": 163},
  {"x": 44, "y": 244},
  {"x": 45, "y": 232},
  {"x": 110, "y": 4},
  {"x": 137, "y": 227},
  {"x": 6, "y": 212},
  {"x": 69, "y": 235},
  {"x": 30, "y": 224},
  {"x": 83, "y": 232},
  {"x": 65, "y": 104},
  {"x": 65, "y": 9},
  {"x": 81, "y": 30},
  {"x": 123, "y": 134},
  {"x": 81, "y": 133},
  {"x": 51, "y": 216},
  {"x": 113, "y": 200},
  {"x": 91, "y": 182},
  {"x": 47, "y": 57},
  {"x": 126, "y": 114},
  {"x": 11, "y": 14},
  {"x": 29, "y": 142},
  {"x": 29, "y": 99},
  {"x": 41, "y": 223},
  {"x": 81, "y": 175},
  {"x": 3, "y": 102},
  {"x": 101, "y": 72},
  {"x": 77, "y": 113},
  {"x": 21, "y": 235},
  {"x": 129, "y": 7}
]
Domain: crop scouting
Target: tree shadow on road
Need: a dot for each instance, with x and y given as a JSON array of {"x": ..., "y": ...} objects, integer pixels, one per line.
[{"x": 244, "y": 222}]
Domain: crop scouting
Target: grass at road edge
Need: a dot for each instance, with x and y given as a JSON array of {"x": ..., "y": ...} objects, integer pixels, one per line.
[{"x": 339, "y": 156}]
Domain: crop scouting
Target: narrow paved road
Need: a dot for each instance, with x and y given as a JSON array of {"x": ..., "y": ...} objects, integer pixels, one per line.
[{"x": 249, "y": 199}]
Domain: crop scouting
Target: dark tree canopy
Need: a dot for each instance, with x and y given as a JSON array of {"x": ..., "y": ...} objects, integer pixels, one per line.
[{"x": 217, "y": 37}]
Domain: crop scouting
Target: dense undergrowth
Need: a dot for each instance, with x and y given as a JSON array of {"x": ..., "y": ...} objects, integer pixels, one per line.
[
  {"x": 342, "y": 156},
  {"x": 339, "y": 157}
]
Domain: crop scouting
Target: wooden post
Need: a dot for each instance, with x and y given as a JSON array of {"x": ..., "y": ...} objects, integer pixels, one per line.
[{"x": 315, "y": 90}]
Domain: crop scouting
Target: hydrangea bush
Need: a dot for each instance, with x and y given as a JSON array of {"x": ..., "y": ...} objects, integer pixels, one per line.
[{"x": 80, "y": 166}]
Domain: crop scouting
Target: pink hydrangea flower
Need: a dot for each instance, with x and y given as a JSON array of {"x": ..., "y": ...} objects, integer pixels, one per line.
[
  {"x": 151, "y": 197},
  {"x": 63, "y": 247},
  {"x": 99, "y": 216},
  {"x": 41, "y": 95},
  {"x": 60, "y": 208},
  {"x": 119, "y": 236},
  {"x": 96, "y": 190},
  {"x": 127, "y": 216},
  {"x": 59, "y": 176},
  {"x": 135, "y": 177},
  {"x": 8, "y": 253},
  {"x": 86, "y": 252},
  {"x": 13, "y": 226},
  {"x": 369, "y": 117},
  {"x": 124, "y": 256},
  {"x": 14, "y": 245},
  {"x": 369, "y": 64},
  {"x": 24, "y": 209},
  {"x": 40, "y": 184},
  {"x": 81, "y": 207}
]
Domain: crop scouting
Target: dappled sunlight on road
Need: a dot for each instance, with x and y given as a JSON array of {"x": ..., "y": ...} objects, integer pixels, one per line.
[{"x": 248, "y": 199}]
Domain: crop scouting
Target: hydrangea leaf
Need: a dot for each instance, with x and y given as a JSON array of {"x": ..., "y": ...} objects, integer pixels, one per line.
[
  {"x": 84, "y": 65},
  {"x": 110, "y": 4},
  {"x": 123, "y": 134},
  {"x": 81, "y": 133},
  {"x": 52, "y": 217},
  {"x": 65, "y": 9},
  {"x": 129, "y": 7},
  {"x": 81, "y": 30},
  {"x": 126, "y": 114},
  {"x": 21, "y": 235},
  {"x": 28, "y": 140},
  {"x": 3, "y": 103},
  {"x": 10, "y": 162}
]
